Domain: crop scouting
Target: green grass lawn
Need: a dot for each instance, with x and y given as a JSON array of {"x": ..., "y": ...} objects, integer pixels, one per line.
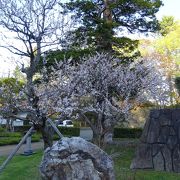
[
  {"x": 123, "y": 172},
  {"x": 26, "y": 167},
  {"x": 22, "y": 168}
]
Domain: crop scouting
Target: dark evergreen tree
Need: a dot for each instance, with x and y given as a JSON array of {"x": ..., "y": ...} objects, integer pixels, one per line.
[
  {"x": 100, "y": 22},
  {"x": 177, "y": 83}
]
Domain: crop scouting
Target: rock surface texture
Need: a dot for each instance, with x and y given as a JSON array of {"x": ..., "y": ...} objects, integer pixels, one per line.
[
  {"x": 159, "y": 146},
  {"x": 76, "y": 159}
]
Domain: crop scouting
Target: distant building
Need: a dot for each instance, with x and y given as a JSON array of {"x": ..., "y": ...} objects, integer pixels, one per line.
[{"x": 16, "y": 122}]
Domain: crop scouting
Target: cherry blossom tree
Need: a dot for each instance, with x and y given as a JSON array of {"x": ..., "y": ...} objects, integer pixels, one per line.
[
  {"x": 35, "y": 26},
  {"x": 101, "y": 91}
]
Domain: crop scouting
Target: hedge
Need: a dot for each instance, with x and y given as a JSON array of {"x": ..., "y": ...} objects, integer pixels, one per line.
[
  {"x": 75, "y": 131},
  {"x": 22, "y": 128},
  {"x": 118, "y": 132},
  {"x": 10, "y": 134},
  {"x": 9, "y": 141},
  {"x": 127, "y": 132},
  {"x": 2, "y": 129},
  {"x": 69, "y": 131},
  {"x": 14, "y": 138}
]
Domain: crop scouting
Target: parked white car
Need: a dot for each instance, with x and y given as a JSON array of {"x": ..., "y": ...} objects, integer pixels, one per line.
[{"x": 65, "y": 123}]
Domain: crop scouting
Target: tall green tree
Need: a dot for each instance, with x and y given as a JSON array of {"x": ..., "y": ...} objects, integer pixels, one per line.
[
  {"x": 166, "y": 25},
  {"x": 18, "y": 75},
  {"x": 168, "y": 46},
  {"x": 166, "y": 49},
  {"x": 177, "y": 83},
  {"x": 100, "y": 22},
  {"x": 9, "y": 89}
]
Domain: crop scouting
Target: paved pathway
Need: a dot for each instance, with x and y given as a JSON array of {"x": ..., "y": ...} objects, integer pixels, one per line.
[{"x": 6, "y": 150}]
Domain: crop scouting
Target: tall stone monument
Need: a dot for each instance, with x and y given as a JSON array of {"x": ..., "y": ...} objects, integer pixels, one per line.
[{"x": 159, "y": 147}]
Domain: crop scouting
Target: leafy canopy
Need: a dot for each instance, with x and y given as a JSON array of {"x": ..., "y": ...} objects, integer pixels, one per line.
[
  {"x": 166, "y": 25},
  {"x": 169, "y": 45},
  {"x": 100, "y": 21}
]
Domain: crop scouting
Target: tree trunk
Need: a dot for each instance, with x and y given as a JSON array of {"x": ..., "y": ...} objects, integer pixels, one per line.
[
  {"x": 105, "y": 29},
  {"x": 108, "y": 136},
  {"x": 170, "y": 89},
  {"x": 9, "y": 125},
  {"x": 102, "y": 133},
  {"x": 107, "y": 14},
  {"x": 98, "y": 140},
  {"x": 102, "y": 139},
  {"x": 46, "y": 130},
  {"x": 47, "y": 135}
]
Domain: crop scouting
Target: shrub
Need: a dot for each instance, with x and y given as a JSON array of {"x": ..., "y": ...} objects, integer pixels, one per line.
[
  {"x": 15, "y": 137},
  {"x": 10, "y": 134},
  {"x": 22, "y": 128},
  {"x": 36, "y": 137},
  {"x": 69, "y": 131},
  {"x": 66, "y": 131},
  {"x": 9, "y": 141},
  {"x": 127, "y": 132},
  {"x": 2, "y": 129}
]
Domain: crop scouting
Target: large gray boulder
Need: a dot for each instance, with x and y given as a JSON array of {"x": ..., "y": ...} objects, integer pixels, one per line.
[{"x": 76, "y": 159}]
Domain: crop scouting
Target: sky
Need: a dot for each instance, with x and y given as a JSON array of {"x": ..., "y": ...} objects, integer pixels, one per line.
[
  {"x": 8, "y": 61},
  {"x": 170, "y": 8}
]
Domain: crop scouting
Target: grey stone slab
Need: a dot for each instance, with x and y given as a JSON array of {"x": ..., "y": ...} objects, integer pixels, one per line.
[
  {"x": 167, "y": 154},
  {"x": 172, "y": 131},
  {"x": 156, "y": 148},
  {"x": 154, "y": 113},
  {"x": 176, "y": 114},
  {"x": 176, "y": 159},
  {"x": 153, "y": 132},
  {"x": 144, "y": 135},
  {"x": 165, "y": 119},
  {"x": 164, "y": 133},
  {"x": 158, "y": 162},
  {"x": 172, "y": 142},
  {"x": 143, "y": 157}
]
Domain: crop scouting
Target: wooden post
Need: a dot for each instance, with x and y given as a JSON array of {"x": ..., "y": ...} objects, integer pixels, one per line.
[
  {"x": 16, "y": 149},
  {"x": 55, "y": 128},
  {"x": 23, "y": 140}
]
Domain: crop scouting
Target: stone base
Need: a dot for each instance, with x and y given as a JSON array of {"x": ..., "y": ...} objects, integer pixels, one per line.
[{"x": 28, "y": 153}]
